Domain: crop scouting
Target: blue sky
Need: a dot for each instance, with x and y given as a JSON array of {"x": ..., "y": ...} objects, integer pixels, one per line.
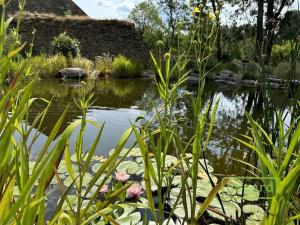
[{"x": 115, "y": 9}]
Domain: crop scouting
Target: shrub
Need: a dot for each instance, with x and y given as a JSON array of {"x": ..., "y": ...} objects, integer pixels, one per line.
[
  {"x": 83, "y": 63},
  {"x": 281, "y": 53},
  {"x": 65, "y": 45},
  {"x": 124, "y": 67},
  {"x": 104, "y": 64}
]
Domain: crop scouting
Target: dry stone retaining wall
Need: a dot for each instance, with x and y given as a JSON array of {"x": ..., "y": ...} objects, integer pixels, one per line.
[{"x": 95, "y": 36}]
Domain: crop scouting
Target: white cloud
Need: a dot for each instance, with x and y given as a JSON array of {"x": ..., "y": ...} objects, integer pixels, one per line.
[{"x": 104, "y": 3}]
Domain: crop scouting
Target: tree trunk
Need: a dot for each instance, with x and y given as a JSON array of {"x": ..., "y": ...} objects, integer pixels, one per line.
[
  {"x": 271, "y": 23},
  {"x": 259, "y": 30}
]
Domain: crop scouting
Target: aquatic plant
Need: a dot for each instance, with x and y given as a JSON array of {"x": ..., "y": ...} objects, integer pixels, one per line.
[
  {"x": 104, "y": 64},
  {"x": 125, "y": 68}
]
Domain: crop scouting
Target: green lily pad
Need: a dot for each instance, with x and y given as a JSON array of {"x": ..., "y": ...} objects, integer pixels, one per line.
[
  {"x": 74, "y": 157},
  {"x": 251, "y": 193},
  {"x": 229, "y": 190},
  {"x": 252, "y": 209},
  {"x": 130, "y": 167},
  {"x": 178, "y": 182},
  {"x": 96, "y": 167},
  {"x": 252, "y": 222},
  {"x": 235, "y": 182},
  {"x": 231, "y": 209},
  {"x": 131, "y": 219},
  {"x": 180, "y": 212}
]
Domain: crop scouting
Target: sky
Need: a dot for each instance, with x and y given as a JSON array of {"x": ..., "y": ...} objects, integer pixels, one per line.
[
  {"x": 107, "y": 9},
  {"x": 117, "y": 9}
]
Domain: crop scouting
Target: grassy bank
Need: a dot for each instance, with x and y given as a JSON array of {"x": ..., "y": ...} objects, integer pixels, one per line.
[{"x": 44, "y": 66}]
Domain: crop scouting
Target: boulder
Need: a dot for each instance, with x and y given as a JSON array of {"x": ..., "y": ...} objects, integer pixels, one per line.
[
  {"x": 72, "y": 73},
  {"x": 226, "y": 73},
  {"x": 192, "y": 80},
  {"x": 249, "y": 83}
]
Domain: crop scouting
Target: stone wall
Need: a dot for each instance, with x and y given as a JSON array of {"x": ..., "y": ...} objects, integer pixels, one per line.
[{"x": 96, "y": 36}]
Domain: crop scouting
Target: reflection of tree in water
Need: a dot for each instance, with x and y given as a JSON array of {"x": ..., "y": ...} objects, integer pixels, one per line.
[
  {"x": 114, "y": 94},
  {"x": 109, "y": 94},
  {"x": 231, "y": 122}
]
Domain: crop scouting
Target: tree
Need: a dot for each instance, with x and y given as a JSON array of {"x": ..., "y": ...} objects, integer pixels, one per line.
[
  {"x": 289, "y": 27},
  {"x": 146, "y": 17},
  {"x": 175, "y": 11},
  {"x": 266, "y": 22}
]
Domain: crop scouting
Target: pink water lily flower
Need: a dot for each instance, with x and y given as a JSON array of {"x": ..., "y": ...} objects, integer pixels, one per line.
[
  {"x": 134, "y": 191},
  {"x": 104, "y": 189},
  {"x": 122, "y": 176}
]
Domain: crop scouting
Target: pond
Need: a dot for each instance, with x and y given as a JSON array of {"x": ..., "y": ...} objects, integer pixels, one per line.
[{"x": 119, "y": 102}]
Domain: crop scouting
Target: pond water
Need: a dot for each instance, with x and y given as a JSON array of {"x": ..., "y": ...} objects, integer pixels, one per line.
[{"x": 119, "y": 102}]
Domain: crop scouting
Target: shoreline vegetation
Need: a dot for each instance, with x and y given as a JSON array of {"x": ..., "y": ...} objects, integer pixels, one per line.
[{"x": 163, "y": 177}]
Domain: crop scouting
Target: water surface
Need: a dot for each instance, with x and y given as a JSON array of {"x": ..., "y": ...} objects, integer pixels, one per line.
[{"x": 119, "y": 102}]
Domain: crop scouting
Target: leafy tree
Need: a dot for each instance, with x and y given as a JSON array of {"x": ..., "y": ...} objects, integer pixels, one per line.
[
  {"x": 146, "y": 17},
  {"x": 268, "y": 16},
  {"x": 289, "y": 27},
  {"x": 175, "y": 11}
]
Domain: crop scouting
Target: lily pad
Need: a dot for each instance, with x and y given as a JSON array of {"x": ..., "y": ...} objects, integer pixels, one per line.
[
  {"x": 130, "y": 167},
  {"x": 74, "y": 157},
  {"x": 180, "y": 212},
  {"x": 96, "y": 167},
  {"x": 131, "y": 219},
  {"x": 235, "y": 182},
  {"x": 232, "y": 210},
  {"x": 251, "y": 193}
]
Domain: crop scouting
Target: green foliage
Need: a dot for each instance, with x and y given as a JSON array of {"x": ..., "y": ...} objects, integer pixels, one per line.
[
  {"x": 65, "y": 45},
  {"x": 146, "y": 17},
  {"x": 12, "y": 41},
  {"x": 289, "y": 27},
  {"x": 47, "y": 67},
  {"x": 281, "y": 52},
  {"x": 279, "y": 175},
  {"x": 104, "y": 64},
  {"x": 82, "y": 63},
  {"x": 282, "y": 69},
  {"x": 125, "y": 68}
]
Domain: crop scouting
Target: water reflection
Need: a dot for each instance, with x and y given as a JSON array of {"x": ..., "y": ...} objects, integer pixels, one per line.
[{"x": 120, "y": 101}]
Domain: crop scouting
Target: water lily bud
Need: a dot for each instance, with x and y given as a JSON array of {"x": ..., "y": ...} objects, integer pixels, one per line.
[
  {"x": 195, "y": 42},
  {"x": 221, "y": 3},
  {"x": 178, "y": 25},
  {"x": 167, "y": 56},
  {"x": 200, "y": 6},
  {"x": 160, "y": 43}
]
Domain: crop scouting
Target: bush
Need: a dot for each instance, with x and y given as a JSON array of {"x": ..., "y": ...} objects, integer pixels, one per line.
[
  {"x": 281, "y": 53},
  {"x": 82, "y": 63},
  {"x": 104, "y": 64},
  {"x": 124, "y": 67},
  {"x": 65, "y": 45}
]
